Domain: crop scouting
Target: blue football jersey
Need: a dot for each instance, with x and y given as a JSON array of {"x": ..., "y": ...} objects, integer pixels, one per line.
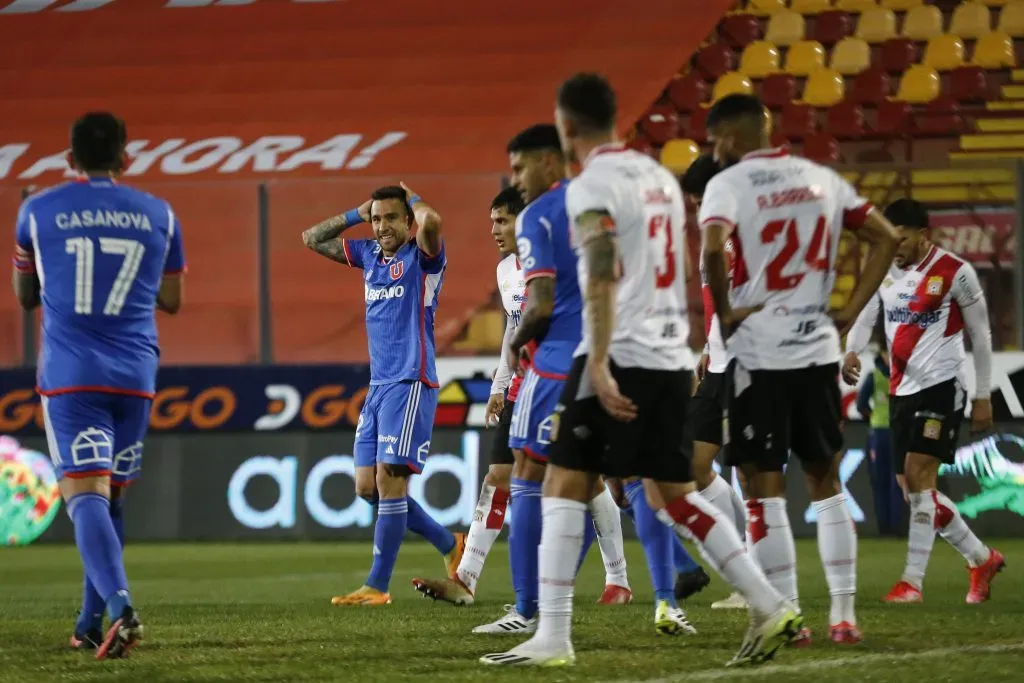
[
  {"x": 545, "y": 250},
  {"x": 401, "y": 299},
  {"x": 100, "y": 251}
]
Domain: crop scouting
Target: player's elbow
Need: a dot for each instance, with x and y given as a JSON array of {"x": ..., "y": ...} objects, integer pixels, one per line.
[
  {"x": 431, "y": 223},
  {"x": 26, "y": 290},
  {"x": 308, "y": 239},
  {"x": 171, "y": 294}
]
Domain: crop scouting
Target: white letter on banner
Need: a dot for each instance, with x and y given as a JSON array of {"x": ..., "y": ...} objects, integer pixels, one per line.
[
  {"x": 359, "y": 513},
  {"x": 283, "y": 472},
  {"x": 292, "y": 401}
]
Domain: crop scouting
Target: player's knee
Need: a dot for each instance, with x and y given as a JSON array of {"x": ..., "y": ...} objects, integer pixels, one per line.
[
  {"x": 703, "y": 469},
  {"x": 392, "y": 480},
  {"x": 560, "y": 482},
  {"x": 499, "y": 476},
  {"x": 921, "y": 472},
  {"x": 366, "y": 484},
  {"x": 70, "y": 487}
]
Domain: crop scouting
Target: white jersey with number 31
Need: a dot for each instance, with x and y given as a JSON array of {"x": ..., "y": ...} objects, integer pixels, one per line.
[
  {"x": 645, "y": 206},
  {"x": 786, "y": 214}
]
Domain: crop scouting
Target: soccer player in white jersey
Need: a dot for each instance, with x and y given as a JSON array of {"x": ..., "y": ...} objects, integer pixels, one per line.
[
  {"x": 928, "y": 298},
  {"x": 784, "y": 215},
  {"x": 619, "y": 414},
  {"x": 492, "y": 505}
]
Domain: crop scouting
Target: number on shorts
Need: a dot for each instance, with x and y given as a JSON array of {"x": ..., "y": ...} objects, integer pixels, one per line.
[
  {"x": 84, "y": 252},
  {"x": 818, "y": 257}
]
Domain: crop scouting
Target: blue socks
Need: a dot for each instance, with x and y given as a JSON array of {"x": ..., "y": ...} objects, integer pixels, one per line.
[
  {"x": 656, "y": 538},
  {"x": 392, "y": 517},
  {"x": 90, "y": 618},
  {"x": 424, "y": 525},
  {"x": 683, "y": 560},
  {"x": 589, "y": 536},
  {"x": 100, "y": 549},
  {"x": 524, "y": 544}
]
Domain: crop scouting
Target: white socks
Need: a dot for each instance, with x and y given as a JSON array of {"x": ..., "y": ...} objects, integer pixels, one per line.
[
  {"x": 608, "y": 525},
  {"x": 954, "y": 530},
  {"x": 837, "y": 545},
  {"x": 488, "y": 519},
  {"x": 724, "y": 497},
  {"x": 771, "y": 540},
  {"x": 931, "y": 511},
  {"x": 561, "y": 542}
]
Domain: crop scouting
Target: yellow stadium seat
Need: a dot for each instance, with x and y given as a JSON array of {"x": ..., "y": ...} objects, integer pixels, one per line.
[
  {"x": 805, "y": 57},
  {"x": 944, "y": 53},
  {"x": 677, "y": 155},
  {"x": 760, "y": 59},
  {"x": 901, "y": 5},
  {"x": 1011, "y": 19},
  {"x": 919, "y": 85},
  {"x": 824, "y": 88},
  {"x": 877, "y": 25},
  {"x": 785, "y": 28},
  {"x": 994, "y": 51},
  {"x": 994, "y": 3},
  {"x": 850, "y": 56},
  {"x": 970, "y": 20},
  {"x": 763, "y": 7},
  {"x": 923, "y": 23},
  {"x": 856, "y": 5},
  {"x": 730, "y": 84},
  {"x": 810, "y": 6}
]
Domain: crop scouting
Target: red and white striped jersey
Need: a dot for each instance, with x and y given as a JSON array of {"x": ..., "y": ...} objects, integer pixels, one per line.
[
  {"x": 718, "y": 354},
  {"x": 512, "y": 288},
  {"x": 786, "y": 214}
]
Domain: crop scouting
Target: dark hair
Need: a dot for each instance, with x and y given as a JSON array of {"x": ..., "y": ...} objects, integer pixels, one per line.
[
  {"x": 393, "y": 192},
  {"x": 733, "y": 107},
  {"x": 536, "y": 138},
  {"x": 907, "y": 213},
  {"x": 97, "y": 141},
  {"x": 700, "y": 173},
  {"x": 588, "y": 99},
  {"x": 510, "y": 200}
]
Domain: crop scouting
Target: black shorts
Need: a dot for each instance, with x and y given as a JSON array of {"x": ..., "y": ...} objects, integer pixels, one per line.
[
  {"x": 585, "y": 438},
  {"x": 501, "y": 453},
  {"x": 773, "y": 412},
  {"x": 704, "y": 419},
  {"x": 927, "y": 422}
]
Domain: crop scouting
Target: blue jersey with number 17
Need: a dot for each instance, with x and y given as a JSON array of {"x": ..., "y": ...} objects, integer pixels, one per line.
[
  {"x": 545, "y": 250},
  {"x": 100, "y": 251}
]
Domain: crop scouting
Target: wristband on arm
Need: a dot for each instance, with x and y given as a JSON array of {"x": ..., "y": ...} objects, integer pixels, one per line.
[{"x": 352, "y": 217}]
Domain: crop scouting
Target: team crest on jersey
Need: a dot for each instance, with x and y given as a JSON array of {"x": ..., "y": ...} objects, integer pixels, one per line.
[
  {"x": 932, "y": 429},
  {"x": 397, "y": 269},
  {"x": 934, "y": 286}
]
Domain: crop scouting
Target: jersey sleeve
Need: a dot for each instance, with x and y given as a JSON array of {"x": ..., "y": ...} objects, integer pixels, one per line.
[
  {"x": 432, "y": 264},
  {"x": 854, "y": 208},
  {"x": 859, "y": 336},
  {"x": 533, "y": 241},
  {"x": 584, "y": 195},
  {"x": 355, "y": 252},
  {"x": 24, "y": 258},
  {"x": 968, "y": 294},
  {"x": 174, "y": 262},
  {"x": 719, "y": 204}
]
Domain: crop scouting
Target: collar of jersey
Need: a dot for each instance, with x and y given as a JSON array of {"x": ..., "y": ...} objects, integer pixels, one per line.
[
  {"x": 606, "y": 148},
  {"x": 927, "y": 259},
  {"x": 95, "y": 180},
  {"x": 770, "y": 153}
]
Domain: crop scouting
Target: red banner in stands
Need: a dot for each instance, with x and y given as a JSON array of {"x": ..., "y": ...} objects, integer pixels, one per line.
[{"x": 983, "y": 237}]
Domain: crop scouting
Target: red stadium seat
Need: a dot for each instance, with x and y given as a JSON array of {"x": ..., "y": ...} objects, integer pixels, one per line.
[
  {"x": 871, "y": 87},
  {"x": 714, "y": 60},
  {"x": 893, "y": 117},
  {"x": 940, "y": 117},
  {"x": 659, "y": 124},
  {"x": 821, "y": 147},
  {"x": 696, "y": 128},
  {"x": 968, "y": 84},
  {"x": 845, "y": 120},
  {"x": 779, "y": 139},
  {"x": 832, "y": 27},
  {"x": 642, "y": 145},
  {"x": 898, "y": 54},
  {"x": 778, "y": 90},
  {"x": 798, "y": 120},
  {"x": 687, "y": 93},
  {"x": 737, "y": 30}
]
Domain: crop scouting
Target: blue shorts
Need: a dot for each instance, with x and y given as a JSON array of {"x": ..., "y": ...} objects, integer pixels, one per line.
[
  {"x": 395, "y": 425},
  {"x": 534, "y": 415},
  {"x": 92, "y": 434}
]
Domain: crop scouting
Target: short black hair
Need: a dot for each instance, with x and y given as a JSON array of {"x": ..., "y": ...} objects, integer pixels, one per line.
[
  {"x": 907, "y": 213},
  {"x": 97, "y": 141},
  {"x": 393, "y": 192},
  {"x": 734, "y": 107},
  {"x": 700, "y": 173},
  {"x": 510, "y": 200},
  {"x": 538, "y": 137},
  {"x": 589, "y": 99}
]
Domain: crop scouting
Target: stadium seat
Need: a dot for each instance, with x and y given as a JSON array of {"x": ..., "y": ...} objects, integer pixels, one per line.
[
  {"x": 797, "y": 120},
  {"x": 660, "y": 124},
  {"x": 919, "y": 85},
  {"x": 785, "y": 28},
  {"x": 778, "y": 90},
  {"x": 970, "y": 20},
  {"x": 738, "y": 30},
  {"x": 994, "y": 51},
  {"x": 877, "y": 25},
  {"x": 763, "y": 7},
  {"x": 687, "y": 93},
  {"x": 850, "y": 56},
  {"x": 760, "y": 59},
  {"x": 677, "y": 155},
  {"x": 714, "y": 60},
  {"x": 923, "y": 23},
  {"x": 696, "y": 127},
  {"x": 642, "y": 145},
  {"x": 810, "y": 7},
  {"x": 871, "y": 87},
  {"x": 1011, "y": 19},
  {"x": 780, "y": 140},
  {"x": 994, "y": 3},
  {"x": 898, "y": 54},
  {"x": 940, "y": 117},
  {"x": 805, "y": 57},
  {"x": 831, "y": 27},
  {"x": 730, "y": 84},
  {"x": 856, "y": 5},
  {"x": 824, "y": 88},
  {"x": 944, "y": 53},
  {"x": 845, "y": 120},
  {"x": 892, "y": 117},
  {"x": 968, "y": 84},
  {"x": 901, "y": 5},
  {"x": 821, "y": 147}
]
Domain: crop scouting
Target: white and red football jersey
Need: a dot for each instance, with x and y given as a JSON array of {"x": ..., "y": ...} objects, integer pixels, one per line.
[
  {"x": 718, "y": 353},
  {"x": 512, "y": 287},
  {"x": 786, "y": 214},
  {"x": 645, "y": 205}
]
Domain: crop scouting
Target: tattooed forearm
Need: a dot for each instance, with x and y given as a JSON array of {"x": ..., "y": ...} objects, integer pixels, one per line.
[
  {"x": 715, "y": 235},
  {"x": 602, "y": 272},
  {"x": 540, "y": 302},
  {"x": 323, "y": 238}
]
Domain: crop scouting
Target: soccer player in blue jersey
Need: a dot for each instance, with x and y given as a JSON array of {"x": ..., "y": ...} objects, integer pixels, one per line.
[
  {"x": 100, "y": 258},
  {"x": 402, "y": 276}
]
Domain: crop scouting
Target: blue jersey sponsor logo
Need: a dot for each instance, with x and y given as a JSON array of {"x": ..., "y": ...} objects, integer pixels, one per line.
[{"x": 904, "y": 316}]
